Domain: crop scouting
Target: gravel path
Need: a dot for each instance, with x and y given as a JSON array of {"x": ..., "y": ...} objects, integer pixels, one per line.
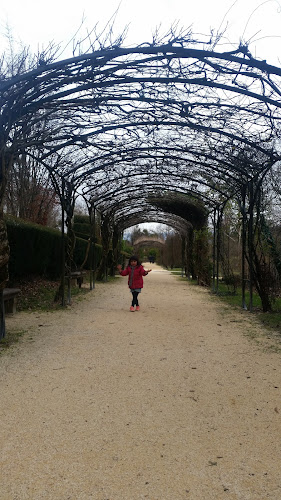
[{"x": 177, "y": 401}]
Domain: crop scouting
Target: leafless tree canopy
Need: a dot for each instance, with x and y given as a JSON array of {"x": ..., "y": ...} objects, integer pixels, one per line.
[{"x": 125, "y": 124}]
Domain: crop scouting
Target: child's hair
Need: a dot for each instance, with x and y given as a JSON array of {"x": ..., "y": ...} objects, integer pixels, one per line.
[{"x": 134, "y": 257}]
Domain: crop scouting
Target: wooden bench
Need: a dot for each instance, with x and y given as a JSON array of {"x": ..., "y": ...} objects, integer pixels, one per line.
[
  {"x": 10, "y": 299},
  {"x": 77, "y": 277}
]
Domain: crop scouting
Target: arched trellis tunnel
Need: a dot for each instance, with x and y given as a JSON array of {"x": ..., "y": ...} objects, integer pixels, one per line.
[
  {"x": 123, "y": 127},
  {"x": 148, "y": 243}
]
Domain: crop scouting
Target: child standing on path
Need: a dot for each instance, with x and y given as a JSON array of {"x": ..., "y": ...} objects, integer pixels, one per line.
[{"x": 135, "y": 272}]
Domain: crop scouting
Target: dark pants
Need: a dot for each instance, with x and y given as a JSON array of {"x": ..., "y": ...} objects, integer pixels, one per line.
[{"x": 135, "y": 301}]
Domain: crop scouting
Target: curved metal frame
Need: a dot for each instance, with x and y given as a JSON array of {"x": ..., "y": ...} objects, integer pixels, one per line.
[{"x": 185, "y": 111}]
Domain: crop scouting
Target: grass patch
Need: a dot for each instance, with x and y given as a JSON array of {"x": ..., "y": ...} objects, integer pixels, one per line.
[
  {"x": 270, "y": 320},
  {"x": 37, "y": 294},
  {"x": 11, "y": 338},
  {"x": 175, "y": 270},
  {"x": 235, "y": 298}
]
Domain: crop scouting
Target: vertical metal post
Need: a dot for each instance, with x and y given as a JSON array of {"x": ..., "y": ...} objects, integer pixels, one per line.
[
  {"x": 120, "y": 246},
  {"x": 218, "y": 249},
  {"x": 69, "y": 215},
  {"x": 250, "y": 242},
  {"x": 91, "y": 247},
  {"x": 94, "y": 249},
  {"x": 2, "y": 318},
  {"x": 214, "y": 251},
  {"x": 62, "y": 247},
  {"x": 243, "y": 256},
  {"x": 183, "y": 245}
]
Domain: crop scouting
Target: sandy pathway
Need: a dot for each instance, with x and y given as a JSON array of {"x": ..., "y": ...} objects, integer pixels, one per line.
[{"x": 172, "y": 402}]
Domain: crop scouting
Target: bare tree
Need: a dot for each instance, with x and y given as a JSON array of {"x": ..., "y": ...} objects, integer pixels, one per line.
[{"x": 30, "y": 194}]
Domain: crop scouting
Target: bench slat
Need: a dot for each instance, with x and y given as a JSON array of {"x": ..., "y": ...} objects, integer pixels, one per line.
[{"x": 10, "y": 299}]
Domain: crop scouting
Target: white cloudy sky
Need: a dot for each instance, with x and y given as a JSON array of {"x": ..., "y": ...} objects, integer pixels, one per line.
[{"x": 36, "y": 23}]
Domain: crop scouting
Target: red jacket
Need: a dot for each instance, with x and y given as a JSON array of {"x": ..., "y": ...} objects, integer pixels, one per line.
[{"x": 139, "y": 272}]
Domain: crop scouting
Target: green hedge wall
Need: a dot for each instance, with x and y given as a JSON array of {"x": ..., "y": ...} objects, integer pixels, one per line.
[
  {"x": 82, "y": 230},
  {"x": 82, "y": 227},
  {"x": 82, "y": 219},
  {"x": 36, "y": 249}
]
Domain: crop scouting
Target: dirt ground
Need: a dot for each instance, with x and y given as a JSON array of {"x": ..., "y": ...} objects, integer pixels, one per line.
[{"x": 180, "y": 400}]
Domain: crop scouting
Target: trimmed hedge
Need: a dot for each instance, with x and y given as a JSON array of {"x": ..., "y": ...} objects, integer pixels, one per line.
[
  {"x": 82, "y": 230},
  {"x": 81, "y": 219},
  {"x": 82, "y": 227},
  {"x": 36, "y": 249}
]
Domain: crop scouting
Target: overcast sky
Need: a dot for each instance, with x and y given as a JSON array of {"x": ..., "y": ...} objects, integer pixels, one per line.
[{"x": 36, "y": 23}]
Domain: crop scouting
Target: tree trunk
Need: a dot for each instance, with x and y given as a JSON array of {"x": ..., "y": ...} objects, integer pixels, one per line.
[{"x": 115, "y": 250}]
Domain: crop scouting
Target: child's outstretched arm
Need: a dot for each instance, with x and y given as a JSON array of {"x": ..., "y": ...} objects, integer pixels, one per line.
[
  {"x": 123, "y": 273},
  {"x": 146, "y": 271}
]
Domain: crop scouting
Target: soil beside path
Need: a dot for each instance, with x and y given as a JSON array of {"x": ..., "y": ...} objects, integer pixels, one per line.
[{"x": 172, "y": 402}]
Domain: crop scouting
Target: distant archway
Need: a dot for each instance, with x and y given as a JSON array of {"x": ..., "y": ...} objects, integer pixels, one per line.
[{"x": 146, "y": 241}]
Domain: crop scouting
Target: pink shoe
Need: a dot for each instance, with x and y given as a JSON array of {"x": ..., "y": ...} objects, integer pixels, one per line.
[
  {"x": 132, "y": 308},
  {"x": 137, "y": 308}
]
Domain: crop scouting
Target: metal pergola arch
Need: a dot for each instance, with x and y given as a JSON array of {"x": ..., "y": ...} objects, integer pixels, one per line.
[
  {"x": 122, "y": 196},
  {"x": 228, "y": 100}
]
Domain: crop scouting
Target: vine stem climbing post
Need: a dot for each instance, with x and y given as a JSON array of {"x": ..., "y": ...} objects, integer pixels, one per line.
[
  {"x": 214, "y": 251},
  {"x": 183, "y": 252},
  {"x": 63, "y": 246},
  {"x": 251, "y": 242},
  {"x": 243, "y": 256},
  {"x": 92, "y": 213},
  {"x": 218, "y": 247},
  {"x": 95, "y": 252},
  {"x": 69, "y": 207}
]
